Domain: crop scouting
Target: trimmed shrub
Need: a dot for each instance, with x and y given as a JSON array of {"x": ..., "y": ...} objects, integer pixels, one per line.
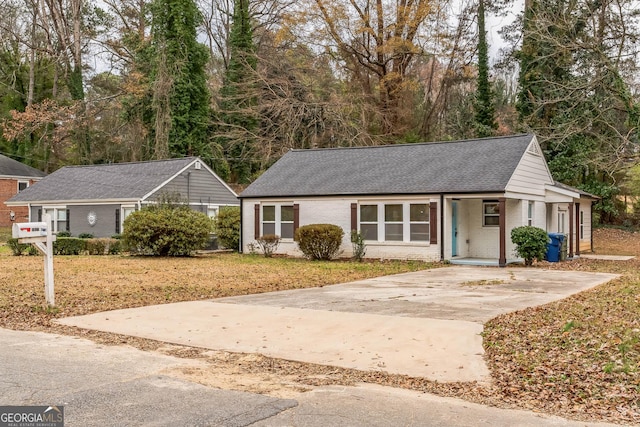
[
  {"x": 227, "y": 227},
  {"x": 268, "y": 244},
  {"x": 115, "y": 247},
  {"x": 166, "y": 231},
  {"x": 96, "y": 246},
  {"x": 531, "y": 243},
  {"x": 85, "y": 236},
  {"x": 69, "y": 246},
  {"x": 63, "y": 234},
  {"x": 103, "y": 246},
  {"x": 319, "y": 241},
  {"x": 17, "y": 248}
]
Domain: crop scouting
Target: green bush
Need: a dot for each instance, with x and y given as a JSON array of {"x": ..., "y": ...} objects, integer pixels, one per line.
[
  {"x": 17, "y": 248},
  {"x": 103, "y": 246},
  {"x": 69, "y": 246},
  {"x": 531, "y": 243},
  {"x": 227, "y": 227},
  {"x": 85, "y": 236},
  {"x": 96, "y": 246},
  {"x": 358, "y": 244},
  {"x": 63, "y": 234},
  {"x": 319, "y": 241},
  {"x": 166, "y": 230},
  {"x": 115, "y": 247}
]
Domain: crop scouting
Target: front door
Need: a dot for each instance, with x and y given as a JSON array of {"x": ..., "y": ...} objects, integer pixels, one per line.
[{"x": 454, "y": 229}]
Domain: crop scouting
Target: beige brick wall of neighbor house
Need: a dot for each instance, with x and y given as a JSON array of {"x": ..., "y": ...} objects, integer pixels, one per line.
[{"x": 8, "y": 189}]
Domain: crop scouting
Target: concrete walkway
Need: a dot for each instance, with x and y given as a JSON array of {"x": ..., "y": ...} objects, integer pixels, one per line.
[{"x": 424, "y": 324}]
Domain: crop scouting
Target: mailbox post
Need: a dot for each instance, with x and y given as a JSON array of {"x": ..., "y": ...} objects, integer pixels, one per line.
[{"x": 39, "y": 235}]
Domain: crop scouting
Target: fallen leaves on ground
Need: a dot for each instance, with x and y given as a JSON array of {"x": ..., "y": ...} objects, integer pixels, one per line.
[{"x": 578, "y": 357}]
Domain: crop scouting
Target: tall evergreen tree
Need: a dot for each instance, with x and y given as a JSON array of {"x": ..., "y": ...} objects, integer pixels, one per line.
[
  {"x": 237, "y": 122},
  {"x": 181, "y": 110},
  {"x": 484, "y": 106}
]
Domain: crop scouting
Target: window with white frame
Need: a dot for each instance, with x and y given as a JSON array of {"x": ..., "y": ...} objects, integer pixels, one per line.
[
  {"x": 278, "y": 220},
  {"x": 490, "y": 214},
  {"x": 286, "y": 222},
  {"x": 369, "y": 222},
  {"x": 530, "y": 210},
  {"x": 22, "y": 185},
  {"x": 395, "y": 222},
  {"x": 58, "y": 218},
  {"x": 561, "y": 219},
  {"x": 419, "y": 222},
  {"x": 212, "y": 211}
]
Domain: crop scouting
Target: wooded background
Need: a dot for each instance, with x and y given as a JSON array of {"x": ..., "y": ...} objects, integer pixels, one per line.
[{"x": 241, "y": 82}]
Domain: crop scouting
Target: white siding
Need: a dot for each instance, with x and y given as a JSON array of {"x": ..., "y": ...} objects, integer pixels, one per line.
[
  {"x": 530, "y": 176},
  {"x": 585, "y": 241}
]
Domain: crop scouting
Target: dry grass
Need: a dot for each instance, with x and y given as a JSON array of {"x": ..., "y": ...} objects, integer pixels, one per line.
[
  {"x": 578, "y": 358},
  {"x": 89, "y": 284}
]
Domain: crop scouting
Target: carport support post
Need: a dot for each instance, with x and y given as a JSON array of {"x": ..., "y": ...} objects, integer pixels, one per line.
[
  {"x": 571, "y": 230},
  {"x": 577, "y": 229},
  {"x": 502, "y": 209}
]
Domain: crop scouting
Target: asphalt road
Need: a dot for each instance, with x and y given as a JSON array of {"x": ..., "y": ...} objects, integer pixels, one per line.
[{"x": 120, "y": 386}]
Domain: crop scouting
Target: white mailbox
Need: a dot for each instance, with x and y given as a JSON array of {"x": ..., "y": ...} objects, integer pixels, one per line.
[{"x": 29, "y": 229}]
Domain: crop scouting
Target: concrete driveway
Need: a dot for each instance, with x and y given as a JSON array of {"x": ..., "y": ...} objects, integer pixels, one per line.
[{"x": 424, "y": 324}]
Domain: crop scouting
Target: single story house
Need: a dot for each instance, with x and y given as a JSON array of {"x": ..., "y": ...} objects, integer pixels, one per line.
[
  {"x": 15, "y": 177},
  {"x": 96, "y": 199},
  {"x": 452, "y": 201}
]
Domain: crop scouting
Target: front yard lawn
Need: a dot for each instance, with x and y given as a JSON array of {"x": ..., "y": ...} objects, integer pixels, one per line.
[
  {"x": 89, "y": 284},
  {"x": 578, "y": 357}
]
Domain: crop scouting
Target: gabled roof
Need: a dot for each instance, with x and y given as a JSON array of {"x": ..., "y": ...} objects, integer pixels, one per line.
[
  {"x": 470, "y": 166},
  {"x": 119, "y": 181},
  {"x": 15, "y": 169}
]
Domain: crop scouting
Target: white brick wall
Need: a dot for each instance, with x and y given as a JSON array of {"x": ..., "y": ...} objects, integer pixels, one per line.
[{"x": 338, "y": 212}]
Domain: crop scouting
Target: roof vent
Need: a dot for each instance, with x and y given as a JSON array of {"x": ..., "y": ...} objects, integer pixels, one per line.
[
  {"x": 534, "y": 149},
  {"x": 197, "y": 165}
]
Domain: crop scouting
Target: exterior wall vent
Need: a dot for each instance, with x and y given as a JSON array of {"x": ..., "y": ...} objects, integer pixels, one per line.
[
  {"x": 197, "y": 165},
  {"x": 534, "y": 149}
]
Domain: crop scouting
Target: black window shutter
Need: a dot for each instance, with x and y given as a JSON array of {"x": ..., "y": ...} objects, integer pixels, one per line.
[
  {"x": 68, "y": 220},
  {"x": 118, "y": 221}
]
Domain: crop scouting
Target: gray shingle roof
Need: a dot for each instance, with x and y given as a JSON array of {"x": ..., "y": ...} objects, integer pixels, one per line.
[
  {"x": 13, "y": 168},
  {"x": 120, "y": 181},
  {"x": 480, "y": 165},
  {"x": 575, "y": 190}
]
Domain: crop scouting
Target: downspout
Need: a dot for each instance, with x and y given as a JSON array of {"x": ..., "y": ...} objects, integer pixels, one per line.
[
  {"x": 241, "y": 228},
  {"x": 441, "y": 227},
  {"x": 591, "y": 225},
  {"x": 189, "y": 189}
]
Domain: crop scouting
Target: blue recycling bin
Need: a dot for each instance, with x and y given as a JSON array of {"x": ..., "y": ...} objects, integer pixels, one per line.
[{"x": 553, "y": 247}]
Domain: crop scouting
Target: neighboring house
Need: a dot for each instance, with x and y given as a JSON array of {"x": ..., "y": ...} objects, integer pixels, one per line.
[
  {"x": 96, "y": 199},
  {"x": 431, "y": 201},
  {"x": 15, "y": 177}
]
